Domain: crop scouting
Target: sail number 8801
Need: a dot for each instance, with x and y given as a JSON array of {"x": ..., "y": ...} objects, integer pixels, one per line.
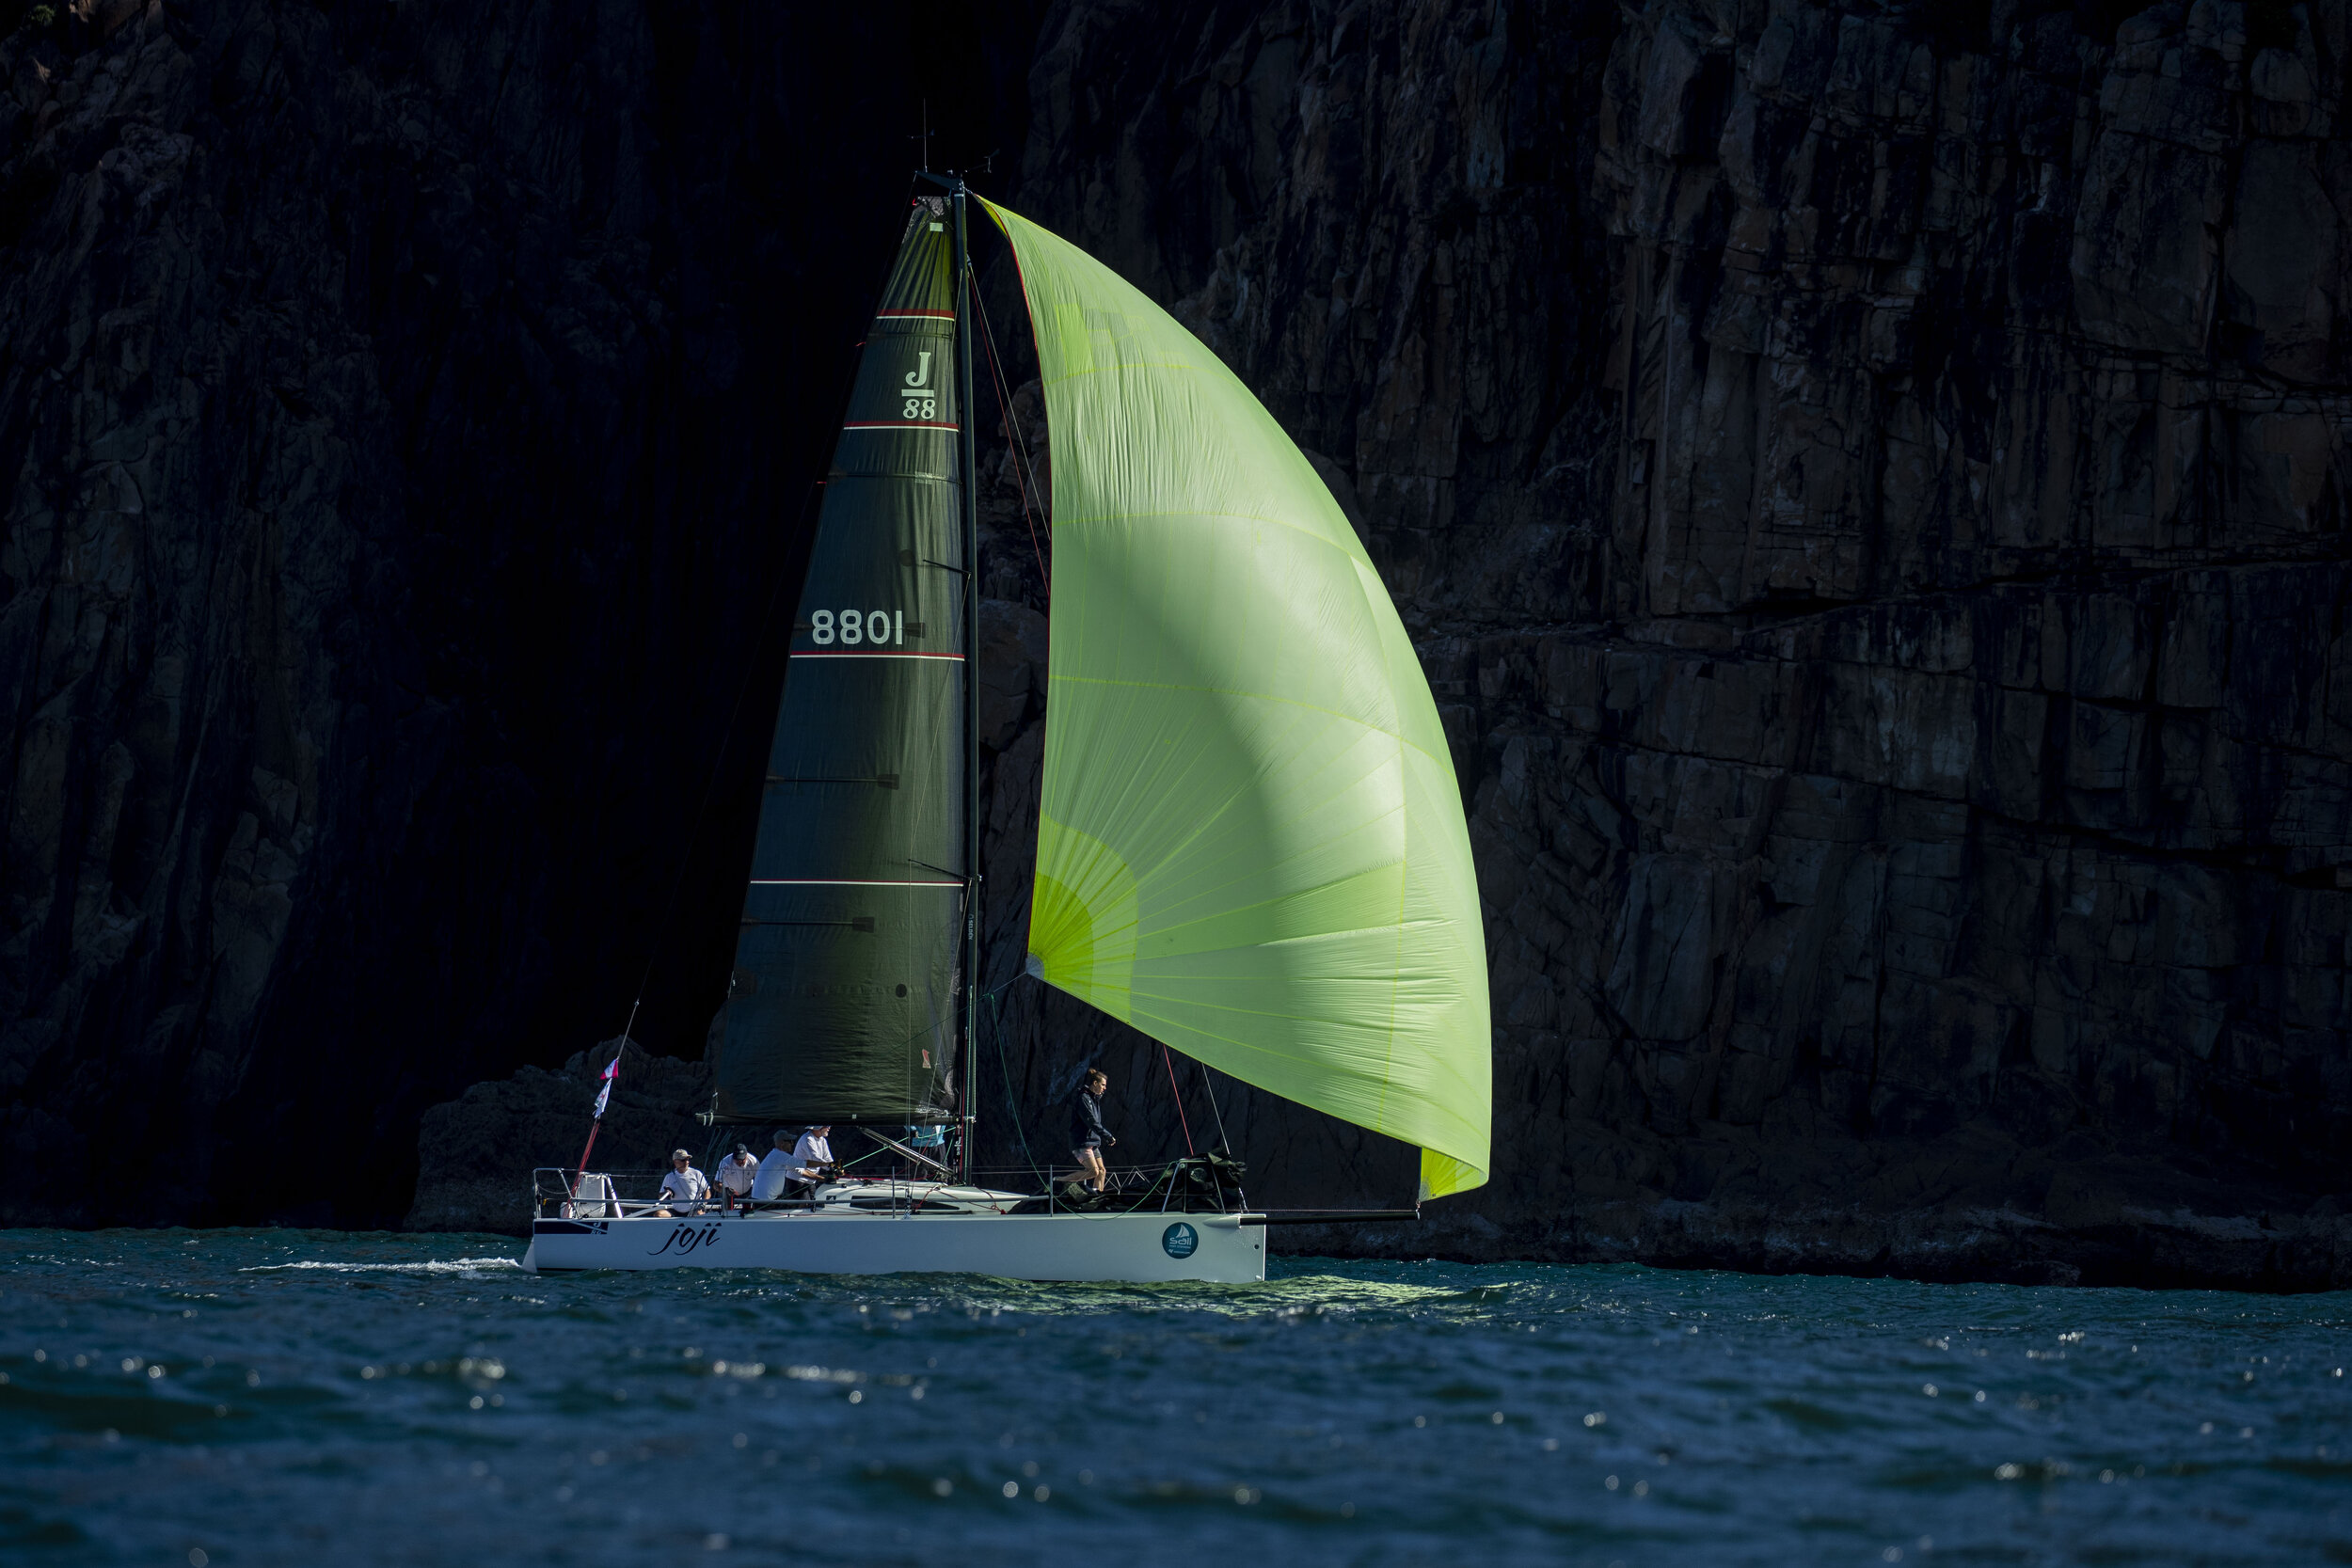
[{"x": 851, "y": 626}]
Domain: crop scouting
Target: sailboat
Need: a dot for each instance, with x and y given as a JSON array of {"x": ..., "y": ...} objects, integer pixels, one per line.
[{"x": 1251, "y": 843}]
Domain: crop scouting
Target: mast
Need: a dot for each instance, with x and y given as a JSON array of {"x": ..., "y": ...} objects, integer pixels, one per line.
[{"x": 969, "y": 467}]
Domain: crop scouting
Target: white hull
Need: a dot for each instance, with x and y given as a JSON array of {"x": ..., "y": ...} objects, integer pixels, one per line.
[{"x": 1139, "y": 1247}]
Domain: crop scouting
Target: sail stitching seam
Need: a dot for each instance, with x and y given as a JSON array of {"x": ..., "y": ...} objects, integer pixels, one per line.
[
  {"x": 1256, "y": 696},
  {"x": 1323, "y": 539}
]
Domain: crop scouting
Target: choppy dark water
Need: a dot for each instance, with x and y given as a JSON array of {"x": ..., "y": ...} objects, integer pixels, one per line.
[{"x": 288, "y": 1397}]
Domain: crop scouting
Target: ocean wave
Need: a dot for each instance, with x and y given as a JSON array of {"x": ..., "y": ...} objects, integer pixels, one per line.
[{"x": 464, "y": 1267}]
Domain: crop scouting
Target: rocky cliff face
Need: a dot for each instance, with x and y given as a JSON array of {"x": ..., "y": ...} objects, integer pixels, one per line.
[
  {"x": 477, "y": 1154},
  {"x": 1868, "y": 478},
  {"x": 404, "y": 410},
  {"x": 1869, "y": 483}
]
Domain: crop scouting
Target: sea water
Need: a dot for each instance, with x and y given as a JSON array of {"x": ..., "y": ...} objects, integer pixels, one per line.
[{"x": 314, "y": 1398}]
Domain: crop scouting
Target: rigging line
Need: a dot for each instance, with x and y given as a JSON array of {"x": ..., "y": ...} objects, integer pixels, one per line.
[
  {"x": 1208, "y": 1083},
  {"x": 989, "y": 996},
  {"x": 1178, "y": 1095},
  {"x": 1012, "y": 427},
  {"x": 1004, "y": 1063},
  {"x": 1012, "y": 433},
  {"x": 1024, "y": 464}
]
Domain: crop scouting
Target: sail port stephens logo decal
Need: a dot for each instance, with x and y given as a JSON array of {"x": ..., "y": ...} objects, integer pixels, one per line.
[{"x": 1180, "y": 1240}]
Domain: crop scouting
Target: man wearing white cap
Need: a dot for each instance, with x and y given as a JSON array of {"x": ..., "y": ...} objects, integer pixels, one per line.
[{"x": 684, "y": 1186}]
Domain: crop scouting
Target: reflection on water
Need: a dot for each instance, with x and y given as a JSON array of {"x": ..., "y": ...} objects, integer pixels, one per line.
[{"x": 265, "y": 1397}]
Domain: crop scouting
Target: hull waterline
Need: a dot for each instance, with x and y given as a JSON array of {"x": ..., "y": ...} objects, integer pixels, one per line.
[{"x": 1107, "y": 1248}]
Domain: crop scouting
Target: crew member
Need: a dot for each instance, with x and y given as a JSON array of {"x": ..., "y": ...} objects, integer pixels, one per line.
[
  {"x": 1088, "y": 1136},
  {"x": 774, "y": 1170},
  {"x": 737, "y": 1173},
  {"x": 812, "y": 1160},
  {"x": 684, "y": 1186}
]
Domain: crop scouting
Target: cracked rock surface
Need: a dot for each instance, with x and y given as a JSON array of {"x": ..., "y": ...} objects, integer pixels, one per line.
[
  {"x": 1869, "y": 483},
  {"x": 1867, "y": 479},
  {"x": 403, "y": 408}
]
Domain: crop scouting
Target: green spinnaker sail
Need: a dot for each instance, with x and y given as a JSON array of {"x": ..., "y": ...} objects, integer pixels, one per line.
[{"x": 1250, "y": 845}]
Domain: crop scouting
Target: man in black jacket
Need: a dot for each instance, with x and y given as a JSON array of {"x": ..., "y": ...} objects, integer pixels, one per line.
[{"x": 1088, "y": 1136}]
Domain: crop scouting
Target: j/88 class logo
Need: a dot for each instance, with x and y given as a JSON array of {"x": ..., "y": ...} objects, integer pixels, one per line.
[
  {"x": 852, "y": 627},
  {"x": 920, "y": 397}
]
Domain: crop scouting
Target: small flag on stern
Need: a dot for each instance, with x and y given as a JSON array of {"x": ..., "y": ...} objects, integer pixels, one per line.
[{"x": 604, "y": 1094}]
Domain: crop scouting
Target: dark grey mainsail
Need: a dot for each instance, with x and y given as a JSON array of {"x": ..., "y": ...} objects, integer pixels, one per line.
[{"x": 844, "y": 1003}]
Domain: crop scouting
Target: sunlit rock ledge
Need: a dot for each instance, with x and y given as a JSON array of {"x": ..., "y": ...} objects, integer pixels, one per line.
[{"x": 475, "y": 1153}]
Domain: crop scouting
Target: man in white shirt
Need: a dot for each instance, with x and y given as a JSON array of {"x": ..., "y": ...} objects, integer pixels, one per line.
[
  {"x": 737, "y": 1174},
  {"x": 684, "y": 1186},
  {"x": 774, "y": 1170},
  {"x": 812, "y": 1159}
]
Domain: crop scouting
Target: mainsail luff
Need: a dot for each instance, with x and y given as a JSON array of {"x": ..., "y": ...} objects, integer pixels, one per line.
[
  {"x": 968, "y": 451},
  {"x": 846, "y": 994}
]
